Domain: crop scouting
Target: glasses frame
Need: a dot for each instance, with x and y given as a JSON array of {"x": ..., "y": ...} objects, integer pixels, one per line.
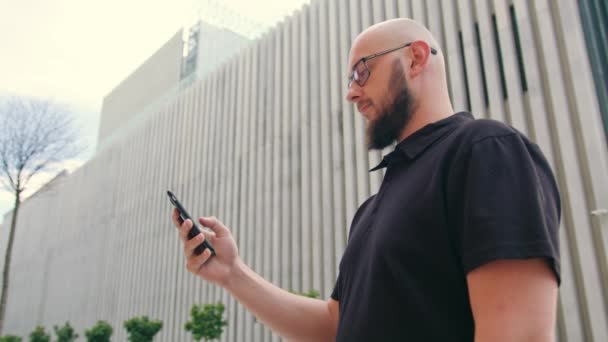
[{"x": 361, "y": 83}]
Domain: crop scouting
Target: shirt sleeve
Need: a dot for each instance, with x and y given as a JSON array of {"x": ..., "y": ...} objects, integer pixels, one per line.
[
  {"x": 335, "y": 294},
  {"x": 511, "y": 204}
]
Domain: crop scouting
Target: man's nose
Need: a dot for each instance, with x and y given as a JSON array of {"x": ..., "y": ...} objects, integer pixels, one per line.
[{"x": 354, "y": 93}]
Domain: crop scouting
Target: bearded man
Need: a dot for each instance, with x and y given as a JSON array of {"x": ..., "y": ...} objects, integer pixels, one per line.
[{"x": 459, "y": 244}]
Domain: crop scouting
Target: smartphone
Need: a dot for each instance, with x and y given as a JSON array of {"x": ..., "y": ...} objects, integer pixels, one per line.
[{"x": 183, "y": 214}]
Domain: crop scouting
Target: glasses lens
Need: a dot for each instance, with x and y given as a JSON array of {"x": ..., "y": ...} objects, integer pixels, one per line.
[{"x": 361, "y": 73}]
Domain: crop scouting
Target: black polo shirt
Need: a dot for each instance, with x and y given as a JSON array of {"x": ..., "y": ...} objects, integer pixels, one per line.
[{"x": 457, "y": 194}]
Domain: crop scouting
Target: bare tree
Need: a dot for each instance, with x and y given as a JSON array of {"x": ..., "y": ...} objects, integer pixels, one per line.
[{"x": 36, "y": 136}]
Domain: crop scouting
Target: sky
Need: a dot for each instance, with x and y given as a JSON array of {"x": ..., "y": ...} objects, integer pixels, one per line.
[{"x": 74, "y": 52}]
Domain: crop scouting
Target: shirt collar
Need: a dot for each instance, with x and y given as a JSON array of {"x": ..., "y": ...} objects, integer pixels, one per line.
[{"x": 410, "y": 147}]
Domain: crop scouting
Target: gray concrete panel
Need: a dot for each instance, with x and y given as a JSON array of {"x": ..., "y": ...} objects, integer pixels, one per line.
[
  {"x": 306, "y": 202},
  {"x": 361, "y": 155},
  {"x": 337, "y": 141},
  {"x": 348, "y": 118},
  {"x": 326, "y": 155}
]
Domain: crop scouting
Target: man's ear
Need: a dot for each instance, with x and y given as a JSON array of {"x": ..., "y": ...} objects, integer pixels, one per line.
[{"x": 419, "y": 53}]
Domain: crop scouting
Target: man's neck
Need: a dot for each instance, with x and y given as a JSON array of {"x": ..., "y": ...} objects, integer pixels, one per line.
[{"x": 422, "y": 117}]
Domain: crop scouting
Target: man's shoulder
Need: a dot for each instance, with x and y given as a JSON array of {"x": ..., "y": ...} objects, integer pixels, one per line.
[{"x": 478, "y": 130}]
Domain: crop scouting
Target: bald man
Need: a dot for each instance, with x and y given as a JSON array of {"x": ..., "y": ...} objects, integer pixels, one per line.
[{"x": 459, "y": 244}]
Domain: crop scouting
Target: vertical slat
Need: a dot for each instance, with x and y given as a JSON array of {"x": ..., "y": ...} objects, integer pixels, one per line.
[
  {"x": 390, "y": 9},
  {"x": 173, "y": 245},
  {"x": 181, "y": 182},
  {"x": 223, "y": 179},
  {"x": 588, "y": 129},
  {"x": 229, "y": 140},
  {"x": 315, "y": 150},
  {"x": 285, "y": 158},
  {"x": 451, "y": 53},
  {"x": 305, "y": 118},
  {"x": 483, "y": 16},
  {"x": 378, "y": 15},
  {"x": 242, "y": 227},
  {"x": 378, "y": 11},
  {"x": 253, "y": 179},
  {"x": 219, "y": 152},
  {"x": 268, "y": 167},
  {"x": 211, "y": 162},
  {"x": 258, "y": 221},
  {"x": 433, "y": 20},
  {"x": 165, "y": 242},
  {"x": 337, "y": 160},
  {"x": 160, "y": 221},
  {"x": 593, "y": 156},
  {"x": 276, "y": 163},
  {"x": 237, "y": 223},
  {"x": 180, "y": 179},
  {"x": 140, "y": 228},
  {"x": 129, "y": 228},
  {"x": 326, "y": 153},
  {"x": 204, "y": 129},
  {"x": 514, "y": 105},
  {"x": 247, "y": 229},
  {"x": 534, "y": 102},
  {"x": 348, "y": 117},
  {"x": 361, "y": 155},
  {"x": 569, "y": 174},
  {"x": 374, "y": 156},
  {"x": 419, "y": 11},
  {"x": 206, "y": 172},
  {"x": 132, "y": 227},
  {"x": 198, "y": 140},
  {"x": 295, "y": 131},
  {"x": 471, "y": 53},
  {"x": 404, "y": 8}
]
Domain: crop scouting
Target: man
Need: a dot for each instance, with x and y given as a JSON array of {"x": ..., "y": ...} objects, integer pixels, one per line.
[{"x": 459, "y": 244}]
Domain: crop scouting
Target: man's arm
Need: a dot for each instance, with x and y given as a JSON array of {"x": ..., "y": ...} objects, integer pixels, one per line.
[
  {"x": 513, "y": 300},
  {"x": 296, "y": 318}
]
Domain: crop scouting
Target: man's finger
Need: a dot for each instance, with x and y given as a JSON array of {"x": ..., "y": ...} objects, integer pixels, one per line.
[
  {"x": 184, "y": 229},
  {"x": 177, "y": 221},
  {"x": 216, "y": 225},
  {"x": 194, "y": 263},
  {"x": 191, "y": 244}
]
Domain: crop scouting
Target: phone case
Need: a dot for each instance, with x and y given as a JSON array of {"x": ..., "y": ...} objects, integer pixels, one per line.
[{"x": 195, "y": 229}]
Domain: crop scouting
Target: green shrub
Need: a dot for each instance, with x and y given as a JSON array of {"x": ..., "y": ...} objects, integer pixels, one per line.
[
  {"x": 141, "y": 329},
  {"x": 312, "y": 293},
  {"x": 100, "y": 332},
  {"x": 65, "y": 333},
  {"x": 10, "y": 338},
  {"x": 207, "y": 321},
  {"x": 39, "y": 335}
]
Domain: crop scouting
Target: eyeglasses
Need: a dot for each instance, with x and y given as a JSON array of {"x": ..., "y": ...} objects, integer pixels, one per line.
[{"x": 361, "y": 70}]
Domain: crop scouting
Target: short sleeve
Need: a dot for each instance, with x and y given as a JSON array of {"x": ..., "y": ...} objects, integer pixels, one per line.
[
  {"x": 511, "y": 204},
  {"x": 335, "y": 294}
]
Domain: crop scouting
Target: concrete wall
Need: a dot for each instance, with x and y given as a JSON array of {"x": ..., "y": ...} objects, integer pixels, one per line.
[
  {"x": 151, "y": 80},
  {"x": 215, "y": 46},
  {"x": 267, "y": 144}
]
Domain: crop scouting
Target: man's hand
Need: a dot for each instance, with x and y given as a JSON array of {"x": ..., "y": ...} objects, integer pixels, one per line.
[{"x": 216, "y": 269}]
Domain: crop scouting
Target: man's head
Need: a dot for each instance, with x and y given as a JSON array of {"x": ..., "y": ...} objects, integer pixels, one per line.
[{"x": 395, "y": 67}]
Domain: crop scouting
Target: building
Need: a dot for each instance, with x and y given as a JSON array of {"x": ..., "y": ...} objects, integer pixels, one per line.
[{"x": 266, "y": 143}]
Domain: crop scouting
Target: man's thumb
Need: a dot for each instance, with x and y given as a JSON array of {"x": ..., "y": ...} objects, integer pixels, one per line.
[{"x": 215, "y": 225}]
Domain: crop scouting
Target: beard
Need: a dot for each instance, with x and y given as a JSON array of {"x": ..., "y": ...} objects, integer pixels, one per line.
[{"x": 393, "y": 118}]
